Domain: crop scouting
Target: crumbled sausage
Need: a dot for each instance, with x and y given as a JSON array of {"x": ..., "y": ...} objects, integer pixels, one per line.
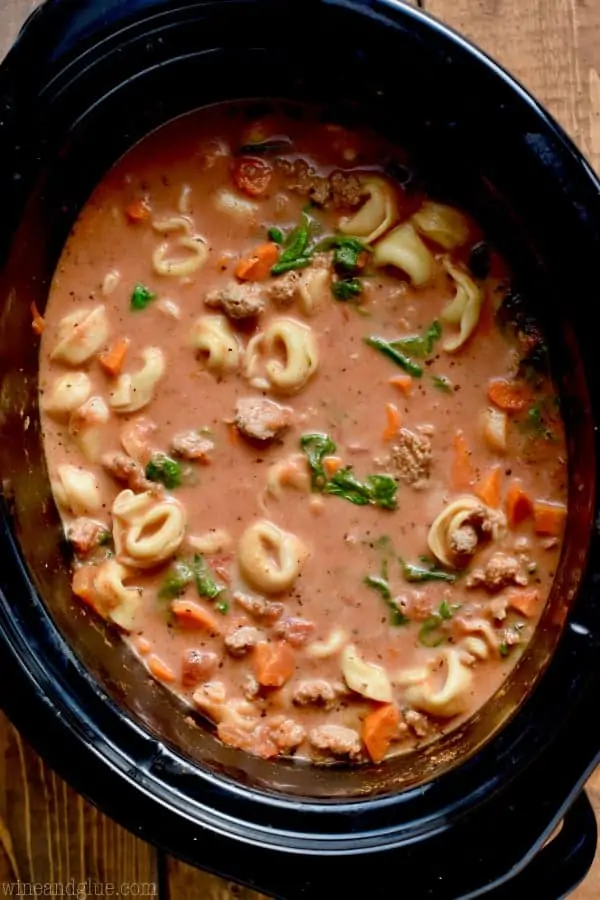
[
  {"x": 315, "y": 691},
  {"x": 242, "y": 640},
  {"x": 341, "y": 190},
  {"x": 191, "y": 445},
  {"x": 500, "y": 571},
  {"x": 197, "y": 666},
  {"x": 261, "y": 419},
  {"x": 416, "y": 604},
  {"x": 336, "y": 739},
  {"x": 346, "y": 190},
  {"x": 464, "y": 540},
  {"x": 238, "y": 301},
  {"x": 294, "y": 630},
  {"x": 124, "y": 468},
  {"x": 284, "y": 290},
  {"x": 418, "y": 723},
  {"x": 266, "y": 610},
  {"x": 285, "y": 733},
  {"x": 84, "y": 534},
  {"x": 412, "y": 457}
]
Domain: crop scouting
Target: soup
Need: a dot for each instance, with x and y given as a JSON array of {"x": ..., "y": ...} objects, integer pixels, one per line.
[{"x": 302, "y": 436}]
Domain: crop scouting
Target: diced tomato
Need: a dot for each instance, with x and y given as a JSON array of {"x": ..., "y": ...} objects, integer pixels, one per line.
[{"x": 252, "y": 175}]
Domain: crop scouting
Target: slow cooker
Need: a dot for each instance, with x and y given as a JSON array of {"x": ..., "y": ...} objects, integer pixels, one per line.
[{"x": 473, "y": 815}]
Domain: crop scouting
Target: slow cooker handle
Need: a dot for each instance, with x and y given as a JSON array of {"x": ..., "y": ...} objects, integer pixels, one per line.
[{"x": 557, "y": 869}]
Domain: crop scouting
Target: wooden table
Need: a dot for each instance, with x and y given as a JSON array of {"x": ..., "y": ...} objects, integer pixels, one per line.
[{"x": 50, "y": 834}]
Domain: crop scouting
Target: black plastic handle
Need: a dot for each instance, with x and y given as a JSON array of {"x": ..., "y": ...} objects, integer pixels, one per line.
[{"x": 557, "y": 869}]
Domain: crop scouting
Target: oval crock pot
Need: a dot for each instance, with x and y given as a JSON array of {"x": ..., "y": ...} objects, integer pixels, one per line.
[{"x": 467, "y": 817}]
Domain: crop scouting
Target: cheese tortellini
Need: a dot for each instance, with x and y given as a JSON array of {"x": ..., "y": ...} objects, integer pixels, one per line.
[
  {"x": 461, "y": 528},
  {"x": 119, "y": 602},
  {"x": 442, "y": 224},
  {"x": 77, "y": 491},
  {"x": 86, "y": 426},
  {"x": 181, "y": 256},
  {"x": 376, "y": 215},
  {"x": 67, "y": 393},
  {"x": 288, "y": 351},
  {"x": 147, "y": 530},
  {"x": 365, "y": 678},
  {"x": 269, "y": 558},
  {"x": 404, "y": 249},
  {"x": 216, "y": 344},
  {"x": 451, "y": 697},
  {"x": 81, "y": 335},
  {"x": 332, "y": 644},
  {"x": 464, "y": 310},
  {"x": 134, "y": 391}
]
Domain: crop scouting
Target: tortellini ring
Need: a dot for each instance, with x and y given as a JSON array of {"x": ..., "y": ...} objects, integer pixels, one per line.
[
  {"x": 269, "y": 558},
  {"x": 330, "y": 646},
  {"x": 216, "y": 343},
  {"x": 80, "y": 335},
  {"x": 448, "y": 530},
  {"x": 66, "y": 394},
  {"x": 179, "y": 266},
  {"x": 449, "y": 699},
  {"x": 464, "y": 310},
  {"x": 290, "y": 472},
  {"x": 146, "y": 530},
  {"x": 442, "y": 224},
  {"x": 134, "y": 391},
  {"x": 300, "y": 355},
  {"x": 376, "y": 215},
  {"x": 86, "y": 426},
  {"x": 77, "y": 490},
  {"x": 120, "y": 602},
  {"x": 404, "y": 249},
  {"x": 364, "y": 677}
]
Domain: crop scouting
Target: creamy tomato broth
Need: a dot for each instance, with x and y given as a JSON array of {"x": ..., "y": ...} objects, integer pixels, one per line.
[{"x": 301, "y": 435}]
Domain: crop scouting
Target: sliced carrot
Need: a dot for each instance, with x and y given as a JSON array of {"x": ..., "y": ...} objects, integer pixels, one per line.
[
  {"x": 404, "y": 383},
  {"x": 332, "y": 464},
  {"x": 192, "y": 615},
  {"x": 257, "y": 266},
  {"x": 160, "y": 670},
  {"x": 463, "y": 474},
  {"x": 38, "y": 322},
  {"x": 488, "y": 489},
  {"x": 525, "y": 602},
  {"x": 273, "y": 663},
  {"x": 142, "y": 645},
  {"x": 112, "y": 359},
  {"x": 138, "y": 211},
  {"x": 518, "y": 504},
  {"x": 394, "y": 421},
  {"x": 509, "y": 395},
  {"x": 378, "y": 729},
  {"x": 549, "y": 518},
  {"x": 233, "y": 434}
]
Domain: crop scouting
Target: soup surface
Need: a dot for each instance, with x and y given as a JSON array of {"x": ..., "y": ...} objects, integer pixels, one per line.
[{"x": 301, "y": 434}]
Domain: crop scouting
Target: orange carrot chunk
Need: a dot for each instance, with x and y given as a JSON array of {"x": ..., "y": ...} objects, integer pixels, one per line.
[
  {"x": 525, "y": 602},
  {"x": 549, "y": 518},
  {"x": 332, "y": 464},
  {"x": 160, "y": 670},
  {"x": 404, "y": 383},
  {"x": 463, "y": 475},
  {"x": 511, "y": 396},
  {"x": 138, "y": 211},
  {"x": 393, "y": 422},
  {"x": 488, "y": 489},
  {"x": 112, "y": 359},
  {"x": 273, "y": 663},
  {"x": 190, "y": 614},
  {"x": 518, "y": 504},
  {"x": 37, "y": 320},
  {"x": 257, "y": 266},
  {"x": 378, "y": 729}
]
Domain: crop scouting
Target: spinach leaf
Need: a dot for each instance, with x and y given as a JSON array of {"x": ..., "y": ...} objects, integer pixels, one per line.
[
  {"x": 317, "y": 446},
  {"x": 379, "y": 584},
  {"x": 296, "y": 253},
  {"x": 430, "y": 633},
  {"x": 205, "y": 583},
  {"x": 425, "y": 572},
  {"x": 347, "y": 252},
  {"x": 442, "y": 383},
  {"x": 179, "y": 575},
  {"x": 401, "y": 359},
  {"x": 420, "y": 345},
  {"x": 376, "y": 490},
  {"x": 141, "y": 297},
  {"x": 165, "y": 470},
  {"x": 347, "y": 289}
]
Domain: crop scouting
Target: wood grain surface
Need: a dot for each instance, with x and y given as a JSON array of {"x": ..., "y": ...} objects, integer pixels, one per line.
[{"x": 48, "y": 834}]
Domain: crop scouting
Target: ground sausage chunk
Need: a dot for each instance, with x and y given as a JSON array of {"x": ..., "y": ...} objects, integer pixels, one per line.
[
  {"x": 418, "y": 723},
  {"x": 315, "y": 691},
  {"x": 285, "y": 733},
  {"x": 500, "y": 571},
  {"x": 267, "y": 610},
  {"x": 197, "y": 666},
  {"x": 346, "y": 190},
  {"x": 238, "y": 301},
  {"x": 336, "y": 739},
  {"x": 242, "y": 640},
  {"x": 262, "y": 419},
  {"x": 124, "y": 468},
  {"x": 464, "y": 540},
  {"x": 294, "y": 630},
  {"x": 340, "y": 190},
  {"x": 84, "y": 534},
  {"x": 284, "y": 290},
  {"x": 191, "y": 445},
  {"x": 412, "y": 457}
]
